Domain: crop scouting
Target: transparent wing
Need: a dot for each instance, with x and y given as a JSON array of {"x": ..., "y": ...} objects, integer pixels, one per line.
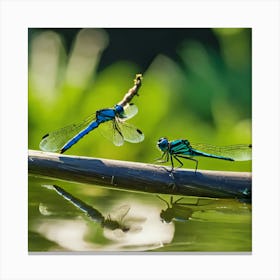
[
  {"x": 111, "y": 131},
  {"x": 130, "y": 111},
  {"x": 119, "y": 213},
  {"x": 129, "y": 132},
  {"x": 55, "y": 140},
  {"x": 241, "y": 152}
]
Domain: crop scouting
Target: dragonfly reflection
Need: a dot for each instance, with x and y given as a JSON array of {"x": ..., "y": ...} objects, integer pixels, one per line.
[
  {"x": 176, "y": 211},
  {"x": 179, "y": 211},
  {"x": 112, "y": 221},
  {"x": 113, "y": 122},
  {"x": 183, "y": 149}
]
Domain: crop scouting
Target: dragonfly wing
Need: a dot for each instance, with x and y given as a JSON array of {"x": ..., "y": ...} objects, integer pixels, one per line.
[
  {"x": 111, "y": 131},
  {"x": 130, "y": 111},
  {"x": 129, "y": 132},
  {"x": 55, "y": 140},
  {"x": 241, "y": 152},
  {"x": 119, "y": 213}
]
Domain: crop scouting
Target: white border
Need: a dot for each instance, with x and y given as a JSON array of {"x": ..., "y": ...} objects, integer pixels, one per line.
[{"x": 262, "y": 16}]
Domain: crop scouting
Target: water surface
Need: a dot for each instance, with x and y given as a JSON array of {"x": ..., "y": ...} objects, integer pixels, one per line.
[{"x": 147, "y": 223}]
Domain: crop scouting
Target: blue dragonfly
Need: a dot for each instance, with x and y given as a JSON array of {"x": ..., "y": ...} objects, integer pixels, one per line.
[
  {"x": 183, "y": 149},
  {"x": 113, "y": 121}
]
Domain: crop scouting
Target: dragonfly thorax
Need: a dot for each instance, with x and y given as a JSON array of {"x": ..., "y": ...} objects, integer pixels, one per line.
[
  {"x": 105, "y": 115},
  {"x": 163, "y": 144},
  {"x": 119, "y": 110},
  {"x": 187, "y": 142}
]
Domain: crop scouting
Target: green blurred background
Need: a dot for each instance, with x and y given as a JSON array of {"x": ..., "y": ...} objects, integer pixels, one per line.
[{"x": 196, "y": 86}]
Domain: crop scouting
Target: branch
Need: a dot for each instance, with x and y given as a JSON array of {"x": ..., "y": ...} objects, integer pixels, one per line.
[{"x": 135, "y": 176}]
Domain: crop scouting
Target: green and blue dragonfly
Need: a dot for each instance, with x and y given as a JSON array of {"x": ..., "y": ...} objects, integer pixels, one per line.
[
  {"x": 182, "y": 148},
  {"x": 113, "y": 122}
]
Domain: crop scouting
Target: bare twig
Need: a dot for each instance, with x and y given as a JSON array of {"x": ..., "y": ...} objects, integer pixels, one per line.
[{"x": 135, "y": 176}]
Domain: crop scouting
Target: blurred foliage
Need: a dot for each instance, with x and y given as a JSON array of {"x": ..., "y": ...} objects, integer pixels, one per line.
[{"x": 205, "y": 97}]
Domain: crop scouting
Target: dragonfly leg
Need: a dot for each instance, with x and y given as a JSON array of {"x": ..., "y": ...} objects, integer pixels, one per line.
[
  {"x": 196, "y": 161},
  {"x": 167, "y": 155},
  {"x": 161, "y": 159},
  {"x": 172, "y": 163},
  {"x": 168, "y": 206},
  {"x": 177, "y": 200},
  {"x": 181, "y": 163}
]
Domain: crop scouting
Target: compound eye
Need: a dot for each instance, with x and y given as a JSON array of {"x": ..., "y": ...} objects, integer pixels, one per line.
[
  {"x": 163, "y": 141},
  {"x": 119, "y": 109},
  {"x": 163, "y": 144}
]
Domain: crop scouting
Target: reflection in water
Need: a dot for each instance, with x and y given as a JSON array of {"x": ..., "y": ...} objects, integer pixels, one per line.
[
  {"x": 178, "y": 211},
  {"x": 209, "y": 224},
  {"x": 122, "y": 227},
  {"x": 112, "y": 222}
]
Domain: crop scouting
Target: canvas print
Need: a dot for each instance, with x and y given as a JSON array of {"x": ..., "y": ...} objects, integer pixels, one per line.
[{"x": 139, "y": 140}]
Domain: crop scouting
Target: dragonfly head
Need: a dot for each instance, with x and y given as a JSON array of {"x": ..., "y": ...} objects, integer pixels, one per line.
[
  {"x": 119, "y": 110},
  {"x": 163, "y": 144},
  {"x": 166, "y": 216}
]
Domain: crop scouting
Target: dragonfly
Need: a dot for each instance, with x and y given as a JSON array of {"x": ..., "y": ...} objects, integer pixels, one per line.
[
  {"x": 113, "y": 121},
  {"x": 182, "y": 148}
]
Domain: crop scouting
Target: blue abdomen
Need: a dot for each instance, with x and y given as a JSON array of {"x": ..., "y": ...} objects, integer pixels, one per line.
[{"x": 81, "y": 134}]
